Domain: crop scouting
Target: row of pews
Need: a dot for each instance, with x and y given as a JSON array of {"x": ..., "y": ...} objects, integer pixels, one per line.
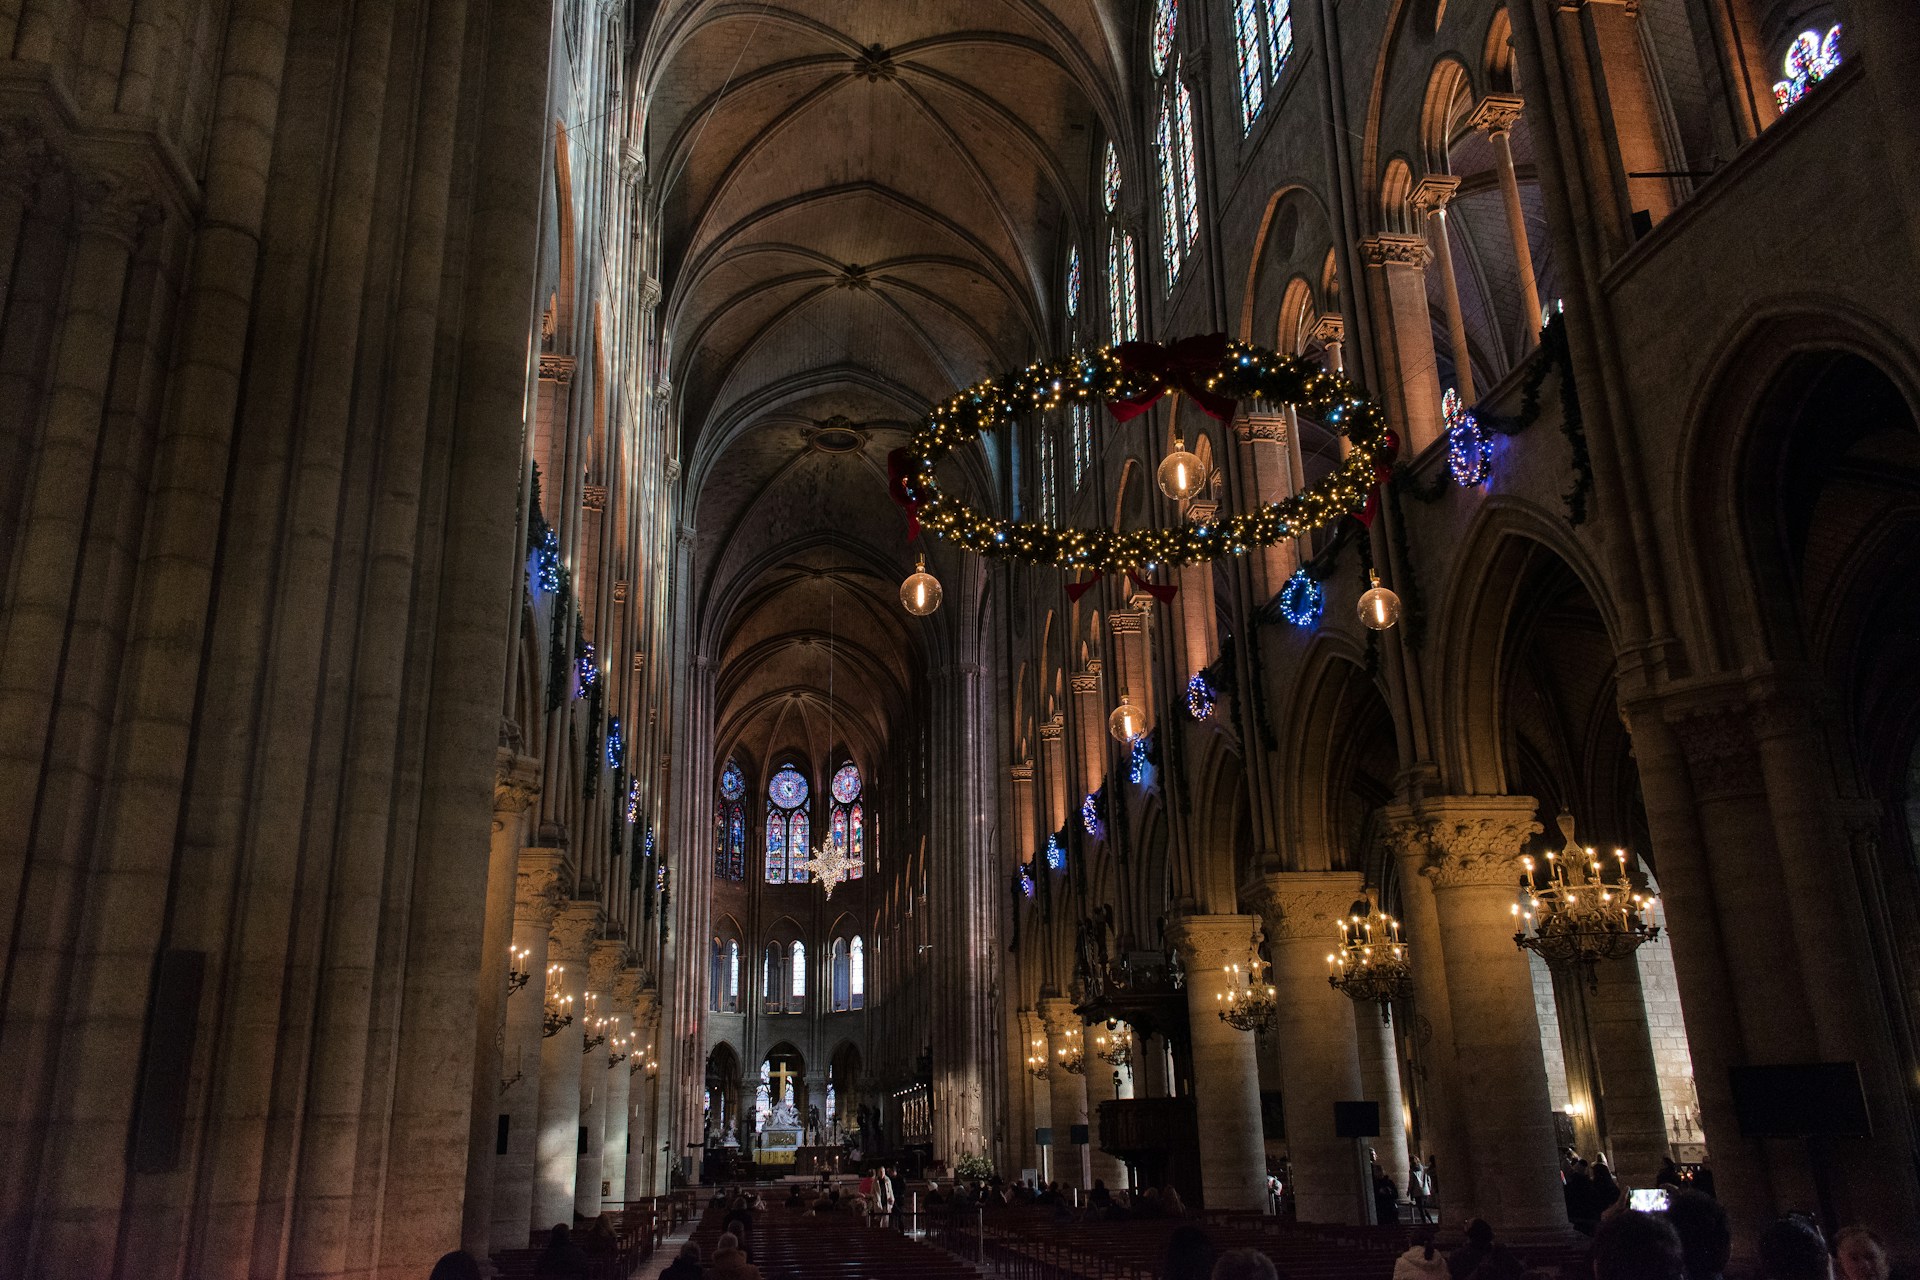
[
  {"x": 791, "y": 1244},
  {"x": 640, "y": 1226}
]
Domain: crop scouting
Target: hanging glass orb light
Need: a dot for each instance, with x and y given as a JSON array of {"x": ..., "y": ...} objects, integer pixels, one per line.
[
  {"x": 1181, "y": 473},
  {"x": 920, "y": 593},
  {"x": 1379, "y": 607},
  {"x": 1126, "y": 723}
]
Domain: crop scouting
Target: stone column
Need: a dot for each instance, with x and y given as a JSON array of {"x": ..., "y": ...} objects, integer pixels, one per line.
[
  {"x": 640, "y": 1097},
  {"x": 1627, "y": 1100},
  {"x": 1380, "y": 1078},
  {"x": 624, "y": 1043},
  {"x": 602, "y": 964},
  {"x": 1090, "y": 726},
  {"x": 1473, "y": 864},
  {"x": 1038, "y": 1091},
  {"x": 1314, "y": 1028},
  {"x": 557, "y": 1152},
  {"x": 1199, "y": 624},
  {"x": 1264, "y": 444},
  {"x": 1024, "y": 833},
  {"x": 1066, "y": 1090},
  {"x": 1129, "y": 627},
  {"x": 1226, "y": 1075},
  {"x": 1431, "y": 197},
  {"x": 1053, "y": 751},
  {"x": 1396, "y": 271},
  {"x": 537, "y": 897},
  {"x": 1496, "y": 115}
]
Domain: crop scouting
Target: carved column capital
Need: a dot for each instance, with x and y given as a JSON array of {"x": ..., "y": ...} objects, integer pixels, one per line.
[
  {"x": 1202, "y": 510},
  {"x": 1270, "y": 427},
  {"x": 1088, "y": 681},
  {"x": 1389, "y": 249},
  {"x": 1126, "y": 622},
  {"x": 1434, "y": 192},
  {"x": 1021, "y": 774},
  {"x": 1058, "y": 1016},
  {"x": 1054, "y": 729},
  {"x": 1496, "y": 113},
  {"x": 1305, "y": 904},
  {"x": 1723, "y": 758},
  {"x": 26, "y": 160},
  {"x": 1211, "y": 943},
  {"x": 536, "y": 893},
  {"x": 556, "y": 368},
  {"x": 604, "y": 959},
  {"x": 114, "y": 204},
  {"x": 1328, "y": 329},
  {"x": 1464, "y": 840},
  {"x": 516, "y": 784},
  {"x": 627, "y": 983},
  {"x": 574, "y": 927}
]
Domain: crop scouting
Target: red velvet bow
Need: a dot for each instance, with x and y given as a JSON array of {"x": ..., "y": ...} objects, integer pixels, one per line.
[
  {"x": 1164, "y": 595},
  {"x": 897, "y": 489},
  {"x": 1382, "y": 472},
  {"x": 1183, "y": 366}
]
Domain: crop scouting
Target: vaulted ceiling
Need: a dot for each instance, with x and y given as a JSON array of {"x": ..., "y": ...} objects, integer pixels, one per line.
[{"x": 862, "y": 208}]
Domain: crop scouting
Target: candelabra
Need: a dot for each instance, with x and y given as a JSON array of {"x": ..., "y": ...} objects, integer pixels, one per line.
[
  {"x": 1037, "y": 1060},
  {"x": 1114, "y": 1046},
  {"x": 1576, "y": 914},
  {"x": 517, "y": 977},
  {"x": 617, "y": 1051},
  {"x": 559, "y": 1010},
  {"x": 1073, "y": 1058},
  {"x": 1248, "y": 1002},
  {"x": 1373, "y": 962}
]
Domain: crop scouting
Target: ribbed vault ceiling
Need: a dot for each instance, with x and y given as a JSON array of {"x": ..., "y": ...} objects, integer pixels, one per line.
[{"x": 862, "y": 207}]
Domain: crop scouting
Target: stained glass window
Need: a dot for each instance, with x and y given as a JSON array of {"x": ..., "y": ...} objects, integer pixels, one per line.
[
  {"x": 842, "y": 998},
  {"x": 1189, "y": 168},
  {"x": 1810, "y": 59},
  {"x": 1166, "y": 18},
  {"x": 1049, "y": 509},
  {"x": 1279, "y": 35},
  {"x": 857, "y": 972},
  {"x": 846, "y": 829},
  {"x": 1073, "y": 281},
  {"x": 1112, "y": 178},
  {"x": 1121, "y": 284},
  {"x": 787, "y": 831},
  {"x": 730, "y": 826},
  {"x": 1170, "y": 234},
  {"x": 1253, "y": 80},
  {"x": 1082, "y": 418},
  {"x": 798, "y": 991},
  {"x": 733, "y": 975}
]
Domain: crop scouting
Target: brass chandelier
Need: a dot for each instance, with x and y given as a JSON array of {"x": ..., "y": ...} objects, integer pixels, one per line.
[
  {"x": 1248, "y": 1003},
  {"x": 1372, "y": 962},
  {"x": 1582, "y": 909},
  {"x": 1114, "y": 1046}
]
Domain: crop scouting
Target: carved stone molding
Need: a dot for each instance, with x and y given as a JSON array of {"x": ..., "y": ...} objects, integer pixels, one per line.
[
  {"x": 1208, "y": 944},
  {"x": 1395, "y": 250},
  {"x": 603, "y": 964},
  {"x": 556, "y": 368},
  {"x": 1328, "y": 329},
  {"x": 626, "y": 988},
  {"x": 1021, "y": 773},
  {"x": 536, "y": 893},
  {"x": 26, "y": 159},
  {"x": 1435, "y": 191},
  {"x": 1496, "y": 113},
  {"x": 117, "y": 205},
  {"x": 1126, "y": 622},
  {"x": 620, "y": 592},
  {"x": 1053, "y": 730},
  {"x": 1307, "y": 904},
  {"x": 1463, "y": 840},
  {"x": 1057, "y": 1015},
  {"x": 1270, "y": 427},
  {"x": 516, "y": 783},
  {"x": 1087, "y": 683},
  {"x": 1202, "y": 510},
  {"x": 593, "y": 497},
  {"x": 570, "y": 941},
  {"x": 1722, "y": 756}
]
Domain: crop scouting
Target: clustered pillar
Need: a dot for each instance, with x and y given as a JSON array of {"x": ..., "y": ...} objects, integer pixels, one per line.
[{"x": 1226, "y": 1080}]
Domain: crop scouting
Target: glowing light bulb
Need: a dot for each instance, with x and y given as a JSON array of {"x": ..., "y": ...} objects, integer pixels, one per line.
[
  {"x": 1126, "y": 723},
  {"x": 1379, "y": 607},
  {"x": 920, "y": 593},
  {"x": 1181, "y": 474}
]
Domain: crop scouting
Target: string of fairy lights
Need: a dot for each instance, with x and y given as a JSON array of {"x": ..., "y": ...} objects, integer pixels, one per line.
[{"x": 1244, "y": 373}]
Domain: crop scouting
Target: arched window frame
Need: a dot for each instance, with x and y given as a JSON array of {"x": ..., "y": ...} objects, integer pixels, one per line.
[
  {"x": 842, "y": 1000},
  {"x": 857, "y": 972},
  {"x": 1178, "y": 165},
  {"x": 1049, "y": 483},
  {"x": 796, "y": 1001},
  {"x": 1123, "y": 310},
  {"x": 789, "y": 827}
]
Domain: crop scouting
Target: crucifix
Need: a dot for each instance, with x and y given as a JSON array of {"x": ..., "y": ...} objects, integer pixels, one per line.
[{"x": 782, "y": 1077}]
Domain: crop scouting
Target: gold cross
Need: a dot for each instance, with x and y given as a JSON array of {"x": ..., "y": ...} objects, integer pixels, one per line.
[{"x": 782, "y": 1078}]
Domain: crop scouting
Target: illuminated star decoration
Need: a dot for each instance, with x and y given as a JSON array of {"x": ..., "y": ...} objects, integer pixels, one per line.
[{"x": 829, "y": 866}]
